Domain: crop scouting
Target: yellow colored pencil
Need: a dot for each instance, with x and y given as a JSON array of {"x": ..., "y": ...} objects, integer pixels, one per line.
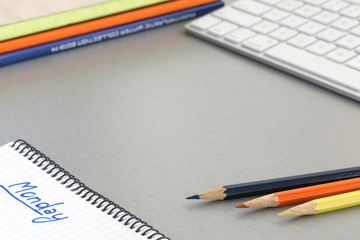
[{"x": 326, "y": 204}]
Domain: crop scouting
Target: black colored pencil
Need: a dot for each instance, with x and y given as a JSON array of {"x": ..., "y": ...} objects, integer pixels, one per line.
[{"x": 277, "y": 184}]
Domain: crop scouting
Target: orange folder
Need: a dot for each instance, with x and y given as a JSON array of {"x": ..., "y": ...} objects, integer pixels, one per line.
[{"x": 98, "y": 24}]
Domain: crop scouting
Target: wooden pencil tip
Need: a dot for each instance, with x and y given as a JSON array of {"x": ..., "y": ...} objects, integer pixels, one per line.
[
  {"x": 242, "y": 206},
  {"x": 194, "y": 197},
  {"x": 285, "y": 213}
]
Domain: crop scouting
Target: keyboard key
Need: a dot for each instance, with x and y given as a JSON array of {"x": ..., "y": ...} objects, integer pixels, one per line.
[
  {"x": 354, "y": 63},
  {"x": 265, "y": 27},
  {"x": 222, "y": 28},
  {"x": 353, "y": 1},
  {"x": 283, "y": 34},
  {"x": 315, "y": 2},
  {"x": 356, "y": 31},
  {"x": 335, "y": 5},
  {"x": 205, "y": 22},
  {"x": 330, "y": 35},
  {"x": 259, "y": 43},
  {"x": 270, "y": 2},
  {"x": 352, "y": 11},
  {"x": 301, "y": 41},
  {"x": 320, "y": 48},
  {"x": 331, "y": 71},
  {"x": 340, "y": 55},
  {"x": 289, "y": 5},
  {"x": 307, "y": 11},
  {"x": 350, "y": 42},
  {"x": 311, "y": 28},
  {"x": 344, "y": 23},
  {"x": 239, "y": 35},
  {"x": 237, "y": 17},
  {"x": 275, "y": 15},
  {"x": 252, "y": 7},
  {"x": 293, "y": 21},
  {"x": 326, "y": 17}
]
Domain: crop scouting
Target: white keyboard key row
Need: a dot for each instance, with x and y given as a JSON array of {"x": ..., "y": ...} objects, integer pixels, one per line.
[
  {"x": 283, "y": 34},
  {"x": 315, "y": 2},
  {"x": 293, "y": 21},
  {"x": 275, "y": 15},
  {"x": 259, "y": 43},
  {"x": 335, "y": 5},
  {"x": 311, "y": 28},
  {"x": 239, "y": 35},
  {"x": 289, "y": 5},
  {"x": 350, "y": 42},
  {"x": 237, "y": 17},
  {"x": 270, "y": 2},
  {"x": 344, "y": 24},
  {"x": 307, "y": 11},
  {"x": 301, "y": 41},
  {"x": 205, "y": 22},
  {"x": 330, "y": 35},
  {"x": 222, "y": 28},
  {"x": 340, "y": 55},
  {"x": 354, "y": 63},
  {"x": 252, "y": 7},
  {"x": 326, "y": 17},
  {"x": 329, "y": 70},
  {"x": 320, "y": 48},
  {"x": 352, "y": 11},
  {"x": 353, "y": 1},
  {"x": 265, "y": 27},
  {"x": 219, "y": 28},
  {"x": 356, "y": 31}
]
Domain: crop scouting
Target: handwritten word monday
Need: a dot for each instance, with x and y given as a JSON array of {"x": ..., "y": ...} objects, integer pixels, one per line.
[{"x": 25, "y": 194}]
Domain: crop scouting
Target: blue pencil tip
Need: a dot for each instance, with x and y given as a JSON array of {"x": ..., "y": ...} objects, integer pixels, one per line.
[{"x": 194, "y": 197}]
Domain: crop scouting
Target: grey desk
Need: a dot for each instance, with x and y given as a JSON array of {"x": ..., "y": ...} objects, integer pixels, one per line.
[{"x": 152, "y": 118}]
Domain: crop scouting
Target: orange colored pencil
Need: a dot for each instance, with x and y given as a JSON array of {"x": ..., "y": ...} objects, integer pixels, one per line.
[
  {"x": 98, "y": 24},
  {"x": 303, "y": 194}
]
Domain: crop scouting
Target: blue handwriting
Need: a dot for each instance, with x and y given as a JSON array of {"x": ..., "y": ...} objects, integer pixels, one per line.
[{"x": 26, "y": 195}]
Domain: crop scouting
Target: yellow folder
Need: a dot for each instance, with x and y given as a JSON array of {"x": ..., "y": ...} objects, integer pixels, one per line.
[{"x": 25, "y": 17}]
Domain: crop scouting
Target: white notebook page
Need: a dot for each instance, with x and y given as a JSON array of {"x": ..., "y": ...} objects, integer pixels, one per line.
[
  {"x": 65, "y": 215},
  {"x": 13, "y": 11}
]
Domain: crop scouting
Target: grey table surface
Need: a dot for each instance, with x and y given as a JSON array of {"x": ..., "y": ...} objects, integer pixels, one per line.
[{"x": 152, "y": 118}]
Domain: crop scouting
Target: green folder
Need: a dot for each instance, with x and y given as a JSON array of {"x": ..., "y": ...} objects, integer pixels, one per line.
[{"x": 70, "y": 17}]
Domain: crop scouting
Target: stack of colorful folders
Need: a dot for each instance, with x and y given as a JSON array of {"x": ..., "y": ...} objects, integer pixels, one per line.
[
  {"x": 39, "y": 28},
  {"x": 319, "y": 192}
]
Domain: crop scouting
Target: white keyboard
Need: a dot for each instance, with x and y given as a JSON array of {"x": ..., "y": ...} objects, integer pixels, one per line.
[{"x": 318, "y": 40}]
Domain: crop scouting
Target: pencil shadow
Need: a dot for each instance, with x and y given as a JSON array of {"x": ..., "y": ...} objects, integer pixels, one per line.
[
  {"x": 256, "y": 211},
  {"x": 205, "y": 204}
]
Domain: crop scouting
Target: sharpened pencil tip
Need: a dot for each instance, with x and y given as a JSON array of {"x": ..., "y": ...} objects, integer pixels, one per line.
[
  {"x": 242, "y": 206},
  {"x": 285, "y": 213},
  {"x": 194, "y": 197}
]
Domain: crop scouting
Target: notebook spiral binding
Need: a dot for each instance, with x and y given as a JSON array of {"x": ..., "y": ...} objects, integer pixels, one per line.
[{"x": 79, "y": 188}]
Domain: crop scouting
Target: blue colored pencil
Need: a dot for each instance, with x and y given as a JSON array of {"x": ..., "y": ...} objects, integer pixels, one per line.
[{"x": 277, "y": 184}]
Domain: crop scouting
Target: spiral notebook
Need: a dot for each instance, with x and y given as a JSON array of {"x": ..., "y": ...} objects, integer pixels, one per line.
[{"x": 40, "y": 200}]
